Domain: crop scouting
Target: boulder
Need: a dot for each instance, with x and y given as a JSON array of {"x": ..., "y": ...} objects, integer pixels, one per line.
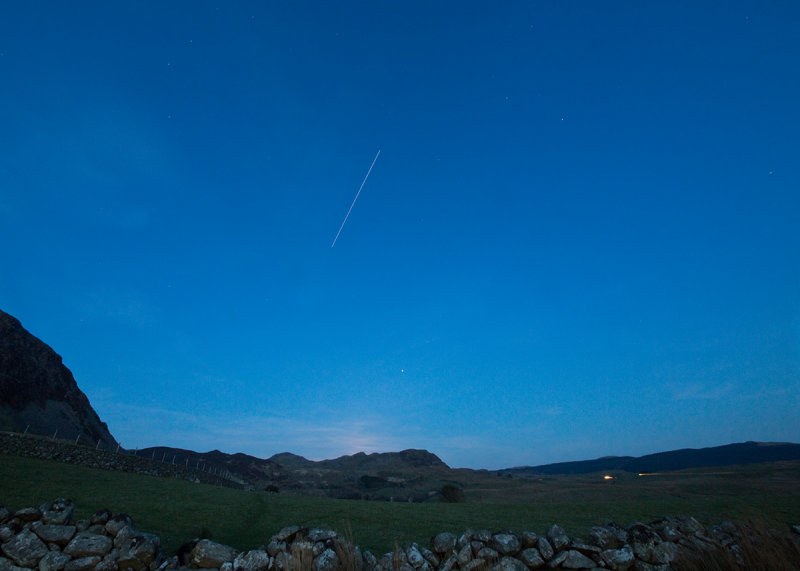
[
  {"x": 505, "y": 543},
  {"x": 255, "y": 560},
  {"x": 667, "y": 529},
  {"x": 53, "y": 561},
  {"x": 444, "y": 543},
  {"x": 5, "y": 515},
  {"x": 483, "y": 535},
  {"x": 287, "y": 533},
  {"x": 326, "y": 561},
  {"x": 208, "y": 554},
  {"x": 58, "y": 534},
  {"x": 509, "y": 564},
  {"x": 643, "y": 538},
  {"x": 83, "y": 563},
  {"x": 87, "y": 544},
  {"x": 450, "y": 563},
  {"x": 6, "y": 533},
  {"x": 687, "y": 525},
  {"x": 57, "y": 512},
  {"x": 370, "y": 561},
  {"x": 487, "y": 554},
  {"x": 619, "y": 532},
  {"x": 464, "y": 539},
  {"x": 140, "y": 551},
  {"x": 100, "y": 517},
  {"x": 464, "y": 555},
  {"x": 572, "y": 559},
  {"x": 124, "y": 535},
  {"x": 274, "y": 547},
  {"x": 604, "y": 538},
  {"x": 557, "y": 537},
  {"x": 474, "y": 565},
  {"x": 531, "y": 557},
  {"x": 585, "y": 548},
  {"x": 25, "y": 549},
  {"x": 414, "y": 556},
  {"x": 546, "y": 549},
  {"x": 665, "y": 552},
  {"x": 315, "y": 535},
  {"x": 8, "y": 565},
  {"x": 429, "y": 556},
  {"x": 619, "y": 559},
  {"x": 642, "y": 566},
  {"x": 109, "y": 563},
  {"x": 116, "y": 523}
]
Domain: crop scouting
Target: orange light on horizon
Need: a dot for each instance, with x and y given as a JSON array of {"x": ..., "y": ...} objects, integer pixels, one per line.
[{"x": 609, "y": 478}]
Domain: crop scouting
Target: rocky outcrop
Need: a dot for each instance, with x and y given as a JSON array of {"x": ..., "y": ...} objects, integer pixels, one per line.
[
  {"x": 47, "y": 539},
  {"x": 39, "y": 394}
]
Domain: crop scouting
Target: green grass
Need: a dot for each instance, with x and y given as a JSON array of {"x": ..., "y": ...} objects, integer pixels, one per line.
[{"x": 177, "y": 510}]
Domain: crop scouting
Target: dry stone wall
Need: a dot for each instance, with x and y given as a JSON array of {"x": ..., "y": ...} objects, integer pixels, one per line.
[
  {"x": 69, "y": 452},
  {"x": 48, "y": 539}
]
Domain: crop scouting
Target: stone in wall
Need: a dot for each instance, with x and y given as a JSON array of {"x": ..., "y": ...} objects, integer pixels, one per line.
[{"x": 47, "y": 539}]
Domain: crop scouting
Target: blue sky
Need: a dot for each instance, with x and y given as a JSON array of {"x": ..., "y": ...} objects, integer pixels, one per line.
[{"x": 580, "y": 238}]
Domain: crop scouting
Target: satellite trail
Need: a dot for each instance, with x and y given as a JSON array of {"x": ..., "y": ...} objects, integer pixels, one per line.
[{"x": 356, "y": 198}]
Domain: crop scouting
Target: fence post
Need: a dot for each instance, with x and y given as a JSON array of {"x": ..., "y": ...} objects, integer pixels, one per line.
[
  {"x": 54, "y": 434},
  {"x": 98, "y": 445},
  {"x": 78, "y": 438},
  {"x": 117, "y": 448},
  {"x": 26, "y": 430}
]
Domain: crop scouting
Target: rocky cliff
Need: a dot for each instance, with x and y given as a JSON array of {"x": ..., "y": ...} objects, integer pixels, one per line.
[{"x": 39, "y": 393}]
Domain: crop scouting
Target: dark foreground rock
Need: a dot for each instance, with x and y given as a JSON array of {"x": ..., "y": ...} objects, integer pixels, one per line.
[{"x": 47, "y": 539}]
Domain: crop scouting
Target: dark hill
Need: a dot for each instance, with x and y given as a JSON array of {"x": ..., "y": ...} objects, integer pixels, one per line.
[
  {"x": 292, "y": 461},
  {"x": 385, "y": 461},
  {"x": 409, "y": 474},
  {"x": 728, "y": 455},
  {"x": 242, "y": 468},
  {"x": 39, "y": 393}
]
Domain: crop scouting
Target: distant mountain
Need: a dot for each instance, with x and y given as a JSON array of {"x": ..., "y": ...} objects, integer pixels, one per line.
[
  {"x": 728, "y": 455},
  {"x": 408, "y": 474},
  {"x": 384, "y": 461},
  {"x": 39, "y": 393}
]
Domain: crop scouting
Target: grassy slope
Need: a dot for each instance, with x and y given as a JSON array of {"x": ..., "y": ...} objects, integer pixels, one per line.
[{"x": 177, "y": 510}]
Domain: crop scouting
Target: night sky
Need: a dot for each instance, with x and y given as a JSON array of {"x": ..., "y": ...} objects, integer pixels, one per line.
[{"x": 581, "y": 237}]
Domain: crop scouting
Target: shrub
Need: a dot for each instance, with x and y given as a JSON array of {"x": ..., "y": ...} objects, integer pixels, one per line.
[
  {"x": 452, "y": 494},
  {"x": 757, "y": 547}
]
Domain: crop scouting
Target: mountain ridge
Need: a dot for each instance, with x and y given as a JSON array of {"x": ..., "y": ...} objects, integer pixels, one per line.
[{"x": 737, "y": 453}]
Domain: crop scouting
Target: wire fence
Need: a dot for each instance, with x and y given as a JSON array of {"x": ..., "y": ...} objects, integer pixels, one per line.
[{"x": 190, "y": 463}]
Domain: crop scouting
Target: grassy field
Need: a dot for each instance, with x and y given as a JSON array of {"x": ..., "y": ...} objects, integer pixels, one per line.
[{"x": 177, "y": 510}]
